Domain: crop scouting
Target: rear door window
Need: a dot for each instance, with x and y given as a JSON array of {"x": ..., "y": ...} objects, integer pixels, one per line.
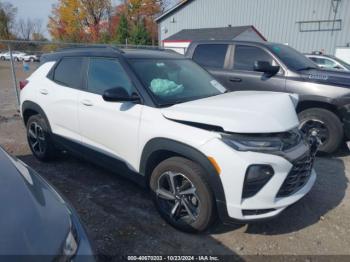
[
  {"x": 245, "y": 57},
  {"x": 105, "y": 73},
  {"x": 69, "y": 72},
  {"x": 210, "y": 55}
]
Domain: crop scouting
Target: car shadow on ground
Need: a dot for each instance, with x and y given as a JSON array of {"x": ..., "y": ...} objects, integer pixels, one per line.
[{"x": 119, "y": 215}]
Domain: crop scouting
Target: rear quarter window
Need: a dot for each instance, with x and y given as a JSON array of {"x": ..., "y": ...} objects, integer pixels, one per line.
[
  {"x": 210, "y": 55},
  {"x": 69, "y": 72}
]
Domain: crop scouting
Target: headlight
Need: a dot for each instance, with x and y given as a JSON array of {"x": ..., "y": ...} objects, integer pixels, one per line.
[
  {"x": 70, "y": 245},
  {"x": 242, "y": 143},
  {"x": 263, "y": 142}
]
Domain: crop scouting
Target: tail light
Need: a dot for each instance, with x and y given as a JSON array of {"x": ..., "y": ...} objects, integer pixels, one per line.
[{"x": 22, "y": 84}]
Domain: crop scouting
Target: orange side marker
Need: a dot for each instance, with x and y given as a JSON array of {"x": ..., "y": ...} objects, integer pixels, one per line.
[{"x": 215, "y": 164}]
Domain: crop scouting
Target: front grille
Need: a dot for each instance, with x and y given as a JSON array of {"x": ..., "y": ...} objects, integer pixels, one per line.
[{"x": 297, "y": 177}]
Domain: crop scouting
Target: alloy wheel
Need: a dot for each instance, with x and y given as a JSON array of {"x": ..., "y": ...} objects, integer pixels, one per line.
[
  {"x": 37, "y": 138},
  {"x": 177, "y": 197}
]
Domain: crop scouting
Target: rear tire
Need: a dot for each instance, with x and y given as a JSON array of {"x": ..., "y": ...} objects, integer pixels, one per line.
[
  {"x": 326, "y": 124},
  {"x": 39, "y": 139},
  {"x": 191, "y": 207}
]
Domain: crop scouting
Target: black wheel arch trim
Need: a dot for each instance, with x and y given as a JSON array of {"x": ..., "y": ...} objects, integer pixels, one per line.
[
  {"x": 179, "y": 148},
  {"x": 310, "y": 101},
  {"x": 316, "y": 98},
  {"x": 29, "y": 105}
]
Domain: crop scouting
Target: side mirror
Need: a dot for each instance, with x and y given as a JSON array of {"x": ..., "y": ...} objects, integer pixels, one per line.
[
  {"x": 119, "y": 94},
  {"x": 266, "y": 67}
]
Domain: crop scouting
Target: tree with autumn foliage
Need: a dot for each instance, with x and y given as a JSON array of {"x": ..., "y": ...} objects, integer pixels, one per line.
[
  {"x": 95, "y": 12},
  {"x": 7, "y": 19},
  {"x": 66, "y": 21},
  {"x": 143, "y": 13},
  {"x": 96, "y": 21},
  {"x": 140, "y": 15},
  {"x": 78, "y": 20}
]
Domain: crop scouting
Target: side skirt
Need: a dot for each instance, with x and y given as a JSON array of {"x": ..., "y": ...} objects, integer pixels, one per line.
[{"x": 107, "y": 162}]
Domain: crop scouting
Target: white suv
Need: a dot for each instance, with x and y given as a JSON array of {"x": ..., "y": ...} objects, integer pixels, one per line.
[{"x": 163, "y": 121}]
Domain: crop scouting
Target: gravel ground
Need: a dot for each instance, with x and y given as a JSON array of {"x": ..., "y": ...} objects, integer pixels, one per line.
[{"x": 121, "y": 219}]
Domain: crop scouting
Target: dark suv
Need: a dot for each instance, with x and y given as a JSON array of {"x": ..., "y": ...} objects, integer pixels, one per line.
[{"x": 324, "y": 107}]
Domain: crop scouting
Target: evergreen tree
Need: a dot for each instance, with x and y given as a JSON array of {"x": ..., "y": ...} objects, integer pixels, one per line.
[
  {"x": 122, "y": 30},
  {"x": 139, "y": 34}
]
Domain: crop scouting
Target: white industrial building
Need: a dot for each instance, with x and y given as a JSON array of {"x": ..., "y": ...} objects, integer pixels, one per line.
[{"x": 307, "y": 25}]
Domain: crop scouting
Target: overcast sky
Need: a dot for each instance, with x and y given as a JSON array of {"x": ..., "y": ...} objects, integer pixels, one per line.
[{"x": 40, "y": 9}]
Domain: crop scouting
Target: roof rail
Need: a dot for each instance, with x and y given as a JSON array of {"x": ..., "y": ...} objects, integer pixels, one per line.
[
  {"x": 91, "y": 46},
  {"x": 152, "y": 48}
]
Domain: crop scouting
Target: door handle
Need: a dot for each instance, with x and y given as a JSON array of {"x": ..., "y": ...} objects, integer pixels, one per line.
[
  {"x": 86, "y": 102},
  {"x": 236, "y": 79},
  {"x": 43, "y": 91}
]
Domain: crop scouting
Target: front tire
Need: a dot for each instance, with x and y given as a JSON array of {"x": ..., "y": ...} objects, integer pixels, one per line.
[
  {"x": 324, "y": 124},
  {"x": 39, "y": 139},
  {"x": 182, "y": 195}
]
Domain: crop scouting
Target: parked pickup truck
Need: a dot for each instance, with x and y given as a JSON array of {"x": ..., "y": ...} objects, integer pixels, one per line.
[{"x": 324, "y": 107}]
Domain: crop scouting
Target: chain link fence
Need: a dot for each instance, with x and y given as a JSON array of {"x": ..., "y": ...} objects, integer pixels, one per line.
[{"x": 19, "y": 59}]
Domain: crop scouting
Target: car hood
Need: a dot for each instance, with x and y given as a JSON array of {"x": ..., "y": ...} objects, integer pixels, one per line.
[
  {"x": 240, "y": 112},
  {"x": 324, "y": 76},
  {"x": 34, "y": 219}
]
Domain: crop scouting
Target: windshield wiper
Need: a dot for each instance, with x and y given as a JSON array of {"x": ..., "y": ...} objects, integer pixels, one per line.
[
  {"x": 166, "y": 104},
  {"x": 187, "y": 100},
  {"x": 170, "y": 103}
]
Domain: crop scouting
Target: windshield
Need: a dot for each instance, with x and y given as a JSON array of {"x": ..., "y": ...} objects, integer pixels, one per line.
[
  {"x": 342, "y": 62},
  {"x": 292, "y": 58},
  {"x": 173, "y": 81}
]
